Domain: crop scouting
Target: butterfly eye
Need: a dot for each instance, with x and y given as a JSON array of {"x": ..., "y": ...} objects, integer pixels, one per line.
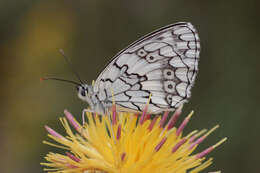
[{"x": 83, "y": 93}]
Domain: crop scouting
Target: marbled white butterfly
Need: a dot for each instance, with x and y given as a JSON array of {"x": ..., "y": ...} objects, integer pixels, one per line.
[{"x": 163, "y": 63}]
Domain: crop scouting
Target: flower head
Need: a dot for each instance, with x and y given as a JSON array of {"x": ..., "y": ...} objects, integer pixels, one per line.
[{"x": 126, "y": 143}]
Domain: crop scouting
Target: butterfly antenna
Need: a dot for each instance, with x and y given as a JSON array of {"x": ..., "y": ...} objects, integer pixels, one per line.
[
  {"x": 59, "y": 79},
  {"x": 71, "y": 66}
]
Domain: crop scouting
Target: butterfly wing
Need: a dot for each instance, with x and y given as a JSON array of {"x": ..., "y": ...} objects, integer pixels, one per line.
[{"x": 163, "y": 63}]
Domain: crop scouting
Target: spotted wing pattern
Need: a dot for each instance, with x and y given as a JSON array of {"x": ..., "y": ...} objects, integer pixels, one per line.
[{"x": 163, "y": 63}]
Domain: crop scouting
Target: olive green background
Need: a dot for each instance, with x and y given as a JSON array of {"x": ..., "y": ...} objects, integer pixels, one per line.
[{"x": 91, "y": 32}]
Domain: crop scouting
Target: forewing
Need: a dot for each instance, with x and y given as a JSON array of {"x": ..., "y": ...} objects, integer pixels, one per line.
[{"x": 163, "y": 63}]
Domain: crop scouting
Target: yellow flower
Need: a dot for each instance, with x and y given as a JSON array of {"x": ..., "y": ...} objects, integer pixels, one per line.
[{"x": 128, "y": 144}]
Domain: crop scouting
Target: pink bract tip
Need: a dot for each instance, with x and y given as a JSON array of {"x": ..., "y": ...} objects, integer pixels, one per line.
[
  {"x": 118, "y": 135},
  {"x": 164, "y": 118},
  {"x": 178, "y": 145},
  {"x": 147, "y": 117},
  {"x": 192, "y": 139},
  {"x": 158, "y": 147},
  {"x": 152, "y": 123},
  {"x": 52, "y": 132},
  {"x": 76, "y": 159},
  {"x": 70, "y": 118},
  {"x": 143, "y": 114},
  {"x": 197, "y": 142},
  {"x": 205, "y": 152},
  {"x": 183, "y": 124},
  {"x": 123, "y": 156},
  {"x": 174, "y": 118},
  {"x": 72, "y": 166},
  {"x": 114, "y": 120}
]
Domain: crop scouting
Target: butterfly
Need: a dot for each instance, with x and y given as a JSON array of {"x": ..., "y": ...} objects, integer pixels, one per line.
[{"x": 161, "y": 65}]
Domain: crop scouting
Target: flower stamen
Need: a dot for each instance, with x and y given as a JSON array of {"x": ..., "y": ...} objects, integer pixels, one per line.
[
  {"x": 174, "y": 118},
  {"x": 183, "y": 124},
  {"x": 201, "y": 139},
  {"x": 164, "y": 118},
  {"x": 208, "y": 150},
  {"x": 136, "y": 147},
  {"x": 72, "y": 157},
  {"x": 142, "y": 118}
]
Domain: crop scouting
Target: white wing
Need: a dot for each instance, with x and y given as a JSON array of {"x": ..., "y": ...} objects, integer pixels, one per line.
[{"x": 163, "y": 63}]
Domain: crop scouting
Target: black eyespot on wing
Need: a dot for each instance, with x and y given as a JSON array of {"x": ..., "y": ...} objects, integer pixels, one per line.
[{"x": 170, "y": 86}]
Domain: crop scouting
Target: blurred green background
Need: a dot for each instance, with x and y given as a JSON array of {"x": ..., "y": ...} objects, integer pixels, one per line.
[{"x": 91, "y": 32}]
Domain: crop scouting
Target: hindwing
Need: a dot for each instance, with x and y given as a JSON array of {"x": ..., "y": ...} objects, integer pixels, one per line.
[{"x": 163, "y": 63}]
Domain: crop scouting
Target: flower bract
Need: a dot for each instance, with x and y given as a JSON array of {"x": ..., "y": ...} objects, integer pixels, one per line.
[{"x": 124, "y": 142}]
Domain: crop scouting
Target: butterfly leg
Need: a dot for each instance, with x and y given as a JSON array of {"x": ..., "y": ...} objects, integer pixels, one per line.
[
  {"x": 83, "y": 114},
  {"x": 108, "y": 113}
]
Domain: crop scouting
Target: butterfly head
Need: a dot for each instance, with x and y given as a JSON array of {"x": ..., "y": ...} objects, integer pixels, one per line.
[{"x": 85, "y": 93}]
